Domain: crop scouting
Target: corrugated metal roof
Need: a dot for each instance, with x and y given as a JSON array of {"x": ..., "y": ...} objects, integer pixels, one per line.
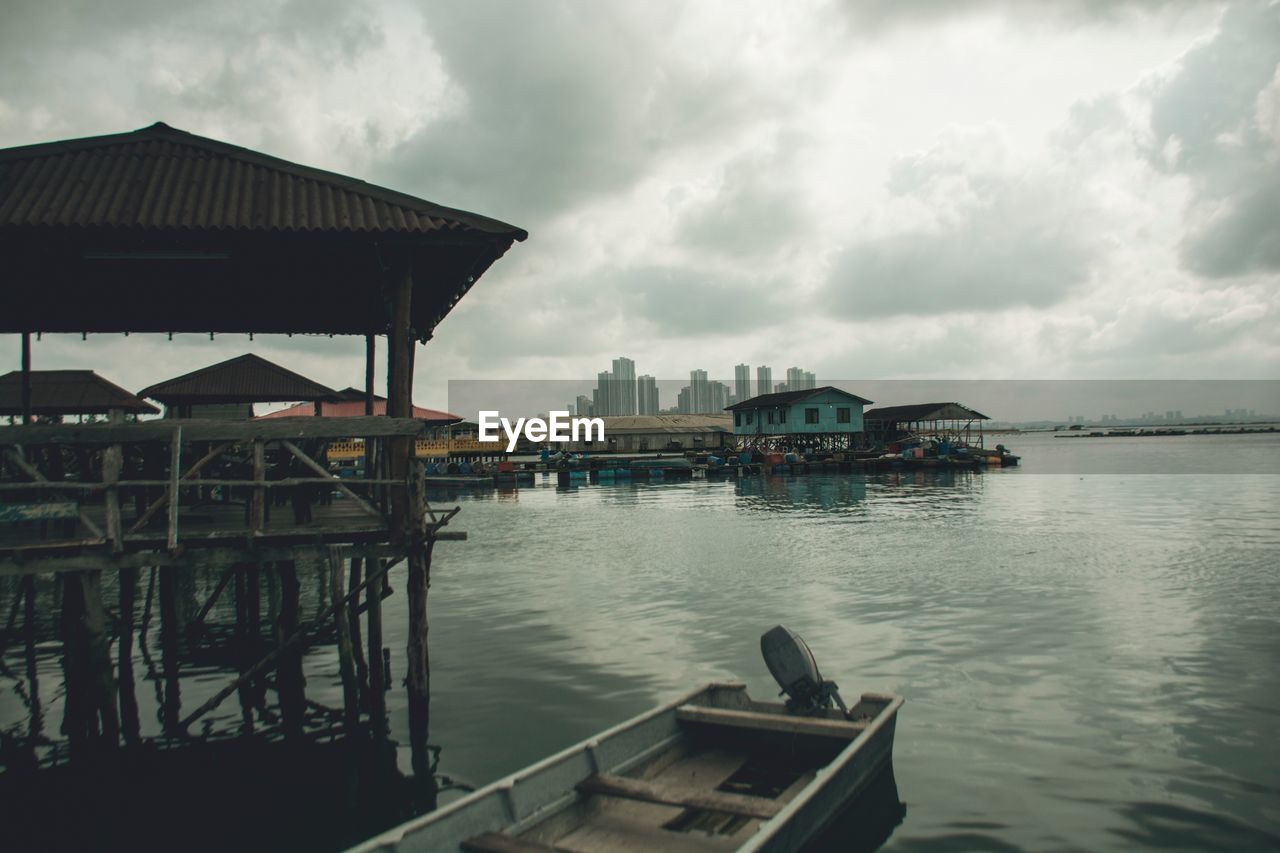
[
  {"x": 244, "y": 379},
  {"x": 355, "y": 409},
  {"x": 160, "y": 177},
  {"x": 783, "y": 398},
  {"x": 924, "y": 412},
  {"x": 68, "y": 392}
]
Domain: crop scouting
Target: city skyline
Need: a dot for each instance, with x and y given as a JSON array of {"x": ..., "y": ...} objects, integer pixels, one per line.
[{"x": 618, "y": 392}]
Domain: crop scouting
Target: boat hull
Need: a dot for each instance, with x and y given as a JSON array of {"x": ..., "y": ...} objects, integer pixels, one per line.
[{"x": 712, "y": 770}]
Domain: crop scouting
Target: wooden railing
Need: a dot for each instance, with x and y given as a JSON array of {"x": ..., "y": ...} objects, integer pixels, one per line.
[{"x": 66, "y": 488}]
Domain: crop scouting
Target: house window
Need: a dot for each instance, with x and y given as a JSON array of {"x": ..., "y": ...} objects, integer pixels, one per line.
[
  {"x": 842, "y": 416},
  {"x": 751, "y": 417},
  {"x": 811, "y": 416},
  {"x": 782, "y": 416},
  {"x": 769, "y": 414},
  {"x": 737, "y": 418}
]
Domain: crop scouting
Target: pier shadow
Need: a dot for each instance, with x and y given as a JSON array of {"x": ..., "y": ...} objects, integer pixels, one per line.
[{"x": 242, "y": 794}]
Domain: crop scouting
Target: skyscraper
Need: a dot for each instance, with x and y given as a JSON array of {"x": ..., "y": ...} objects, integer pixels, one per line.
[
  {"x": 800, "y": 380},
  {"x": 624, "y": 390},
  {"x": 647, "y": 395},
  {"x": 600, "y": 397},
  {"x": 764, "y": 380},
  {"x": 699, "y": 391},
  {"x": 742, "y": 382},
  {"x": 585, "y": 407}
]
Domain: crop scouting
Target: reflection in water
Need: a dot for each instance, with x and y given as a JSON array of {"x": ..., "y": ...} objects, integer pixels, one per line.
[{"x": 869, "y": 820}]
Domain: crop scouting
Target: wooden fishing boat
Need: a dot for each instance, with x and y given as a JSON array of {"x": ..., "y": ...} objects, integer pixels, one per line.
[{"x": 713, "y": 770}]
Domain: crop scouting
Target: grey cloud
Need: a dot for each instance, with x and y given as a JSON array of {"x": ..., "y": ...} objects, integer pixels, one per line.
[
  {"x": 872, "y": 16},
  {"x": 1203, "y": 123},
  {"x": 757, "y": 208},
  {"x": 1001, "y": 240},
  {"x": 561, "y": 103},
  {"x": 682, "y": 301}
]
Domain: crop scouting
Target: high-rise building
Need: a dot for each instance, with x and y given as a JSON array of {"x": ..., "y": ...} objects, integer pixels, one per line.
[
  {"x": 684, "y": 404},
  {"x": 585, "y": 409},
  {"x": 742, "y": 382},
  {"x": 623, "y": 393},
  {"x": 699, "y": 391},
  {"x": 800, "y": 380},
  {"x": 646, "y": 395},
  {"x": 600, "y": 397},
  {"x": 717, "y": 397},
  {"x": 764, "y": 380}
]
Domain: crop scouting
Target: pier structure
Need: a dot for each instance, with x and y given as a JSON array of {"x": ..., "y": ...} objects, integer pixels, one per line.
[
  {"x": 161, "y": 231},
  {"x": 949, "y": 422}
]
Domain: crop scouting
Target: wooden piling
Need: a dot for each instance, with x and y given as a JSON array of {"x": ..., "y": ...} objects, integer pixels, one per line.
[
  {"x": 357, "y": 647},
  {"x": 130, "y": 725},
  {"x": 171, "y": 699},
  {"x": 418, "y": 674},
  {"x": 346, "y": 658},
  {"x": 289, "y": 679},
  {"x": 373, "y": 622},
  {"x": 29, "y": 630}
]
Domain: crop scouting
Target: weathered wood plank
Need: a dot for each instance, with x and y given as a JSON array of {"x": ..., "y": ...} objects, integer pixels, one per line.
[
  {"x": 262, "y": 429},
  {"x": 31, "y": 471},
  {"x": 52, "y": 511},
  {"x": 610, "y": 785},
  {"x": 845, "y": 730},
  {"x": 496, "y": 842}
]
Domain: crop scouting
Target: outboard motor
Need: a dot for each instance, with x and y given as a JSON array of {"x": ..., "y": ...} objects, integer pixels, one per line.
[{"x": 793, "y": 666}]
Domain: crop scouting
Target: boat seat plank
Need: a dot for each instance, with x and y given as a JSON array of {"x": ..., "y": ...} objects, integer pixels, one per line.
[
  {"x": 496, "y": 842},
  {"x": 610, "y": 785},
  {"x": 843, "y": 729}
]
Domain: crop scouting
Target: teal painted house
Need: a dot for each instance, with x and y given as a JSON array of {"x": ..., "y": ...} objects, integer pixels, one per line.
[{"x": 823, "y": 415}]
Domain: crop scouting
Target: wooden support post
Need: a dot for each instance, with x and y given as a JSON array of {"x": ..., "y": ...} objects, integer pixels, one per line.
[
  {"x": 291, "y": 685},
  {"x": 29, "y": 631},
  {"x": 77, "y": 720},
  {"x": 258, "y": 503},
  {"x": 175, "y": 472},
  {"x": 26, "y": 378},
  {"x": 370, "y": 353},
  {"x": 400, "y": 394},
  {"x": 418, "y": 676},
  {"x": 357, "y": 647},
  {"x": 130, "y": 724},
  {"x": 112, "y": 464},
  {"x": 346, "y": 659},
  {"x": 373, "y": 621},
  {"x": 243, "y": 647},
  {"x": 171, "y": 699},
  {"x": 99, "y": 656}
]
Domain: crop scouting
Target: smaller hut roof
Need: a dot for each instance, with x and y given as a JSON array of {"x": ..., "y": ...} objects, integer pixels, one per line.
[
  {"x": 785, "y": 398},
  {"x": 350, "y": 404},
  {"x": 244, "y": 379},
  {"x": 68, "y": 392},
  {"x": 924, "y": 412}
]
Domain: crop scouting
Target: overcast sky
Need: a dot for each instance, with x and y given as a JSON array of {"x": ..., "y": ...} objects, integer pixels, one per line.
[{"x": 864, "y": 189}]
